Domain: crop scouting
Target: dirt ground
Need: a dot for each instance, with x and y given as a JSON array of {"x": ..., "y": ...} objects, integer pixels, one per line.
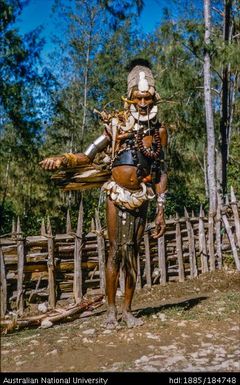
[{"x": 190, "y": 326}]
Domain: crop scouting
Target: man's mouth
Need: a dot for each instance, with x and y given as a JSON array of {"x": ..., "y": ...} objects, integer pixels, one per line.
[{"x": 143, "y": 110}]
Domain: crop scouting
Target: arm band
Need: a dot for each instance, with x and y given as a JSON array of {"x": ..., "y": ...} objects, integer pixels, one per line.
[
  {"x": 98, "y": 145},
  {"x": 161, "y": 199}
]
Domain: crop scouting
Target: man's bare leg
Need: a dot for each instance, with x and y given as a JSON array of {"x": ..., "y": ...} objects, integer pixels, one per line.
[
  {"x": 112, "y": 266},
  {"x": 127, "y": 315},
  {"x": 130, "y": 281}
]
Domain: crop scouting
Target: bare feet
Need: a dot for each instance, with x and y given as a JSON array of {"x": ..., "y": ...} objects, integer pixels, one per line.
[
  {"x": 111, "y": 320},
  {"x": 130, "y": 320}
]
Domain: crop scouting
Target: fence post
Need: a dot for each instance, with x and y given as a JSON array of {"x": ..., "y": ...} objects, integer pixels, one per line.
[
  {"x": 101, "y": 252},
  {"x": 162, "y": 260},
  {"x": 20, "y": 253},
  {"x": 14, "y": 230},
  {"x": 231, "y": 240},
  {"x": 139, "y": 277},
  {"x": 211, "y": 251},
  {"x": 3, "y": 285},
  {"x": 68, "y": 225},
  {"x": 122, "y": 279},
  {"x": 218, "y": 226},
  {"x": 43, "y": 228},
  {"x": 191, "y": 242},
  {"x": 147, "y": 260},
  {"x": 51, "y": 267},
  {"x": 236, "y": 216},
  {"x": 77, "y": 282},
  {"x": 179, "y": 250},
  {"x": 202, "y": 242}
]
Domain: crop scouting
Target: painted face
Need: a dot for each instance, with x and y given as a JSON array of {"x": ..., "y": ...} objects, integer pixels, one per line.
[{"x": 143, "y": 101}]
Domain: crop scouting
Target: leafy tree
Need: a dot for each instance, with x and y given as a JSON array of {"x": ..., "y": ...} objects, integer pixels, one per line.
[{"x": 21, "y": 98}]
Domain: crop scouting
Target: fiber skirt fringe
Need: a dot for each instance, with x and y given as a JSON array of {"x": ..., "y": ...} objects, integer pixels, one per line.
[{"x": 125, "y": 198}]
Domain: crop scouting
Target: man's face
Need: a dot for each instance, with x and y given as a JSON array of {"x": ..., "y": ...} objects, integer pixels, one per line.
[{"x": 143, "y": 101}]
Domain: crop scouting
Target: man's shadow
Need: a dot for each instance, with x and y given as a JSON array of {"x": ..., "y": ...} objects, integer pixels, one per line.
[{"x": 185, "y": 304}]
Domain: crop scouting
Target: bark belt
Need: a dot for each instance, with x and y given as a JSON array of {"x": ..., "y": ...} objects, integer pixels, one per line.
[{"x": 132, "y": 158}]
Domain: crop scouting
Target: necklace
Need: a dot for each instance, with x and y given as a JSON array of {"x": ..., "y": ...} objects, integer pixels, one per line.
[{"x": 149, "y": 152}]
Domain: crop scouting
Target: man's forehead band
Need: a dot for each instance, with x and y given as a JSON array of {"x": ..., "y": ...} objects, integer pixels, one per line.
[{"x": 140, "y": 78}]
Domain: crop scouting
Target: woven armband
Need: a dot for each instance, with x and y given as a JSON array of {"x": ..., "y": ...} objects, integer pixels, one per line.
[
  {"x": 161, "y": 200},
  {"x": 70, "y": 160}
]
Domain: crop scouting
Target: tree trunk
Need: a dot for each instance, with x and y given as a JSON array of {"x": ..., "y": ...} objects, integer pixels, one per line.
[
  {"x": 225, "y": 107},
  {"x": 211, "y": 165},
  {"x": 86, "y": 73}
]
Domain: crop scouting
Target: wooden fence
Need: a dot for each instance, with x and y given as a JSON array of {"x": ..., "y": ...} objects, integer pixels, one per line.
[{"x": 52, "y": 267}]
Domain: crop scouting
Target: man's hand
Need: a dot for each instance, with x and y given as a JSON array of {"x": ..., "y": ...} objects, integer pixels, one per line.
[
  {"x": 67, "y": 160},
  {"x": 52, "y": 163},
  {"x": 160, "y": 225}
]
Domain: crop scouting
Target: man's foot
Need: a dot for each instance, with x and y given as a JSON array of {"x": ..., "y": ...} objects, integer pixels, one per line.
[
  {"x": 111, "y": 320},
  {"x": 130, "y": 320}
]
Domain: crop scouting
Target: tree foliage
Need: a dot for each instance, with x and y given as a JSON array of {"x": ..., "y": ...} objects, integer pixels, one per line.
[{"x": 49, "y": 111}]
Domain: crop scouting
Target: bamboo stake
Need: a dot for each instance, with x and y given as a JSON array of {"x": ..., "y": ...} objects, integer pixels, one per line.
[
  {"x": 3, "y": 286},
  {"x": 226, "y": 200},
  {"x": 68, "y": 225},
  {"x": 101, "y": 252},
  {"x": 236, "y": 215},
  {"x": 93, "y": 227},
  {"x": 147, "y": 260},
  {"x": 231, "y": 240},
  {"x": 13, "y": 228},
  {"x": 43, "y": 228},
  {"x": 211, "y": 252},
  {"x": 20, "y": 253},
  {"x": 202, "y": 243},
  {"x": 218, "y": 236},
  {"x": 191, "y": 245},
  {"x": 51, "y": 267},
  {"x": 77, "y": 281},
  {"x": 179, "y": 250},
  {"x": 139, "y": 278},
  {"x": 122, "y": 279},
  {"x": 162, "y": 260}
]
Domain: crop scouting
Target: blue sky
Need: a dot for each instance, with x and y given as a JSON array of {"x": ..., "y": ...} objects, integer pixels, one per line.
[{"x": 38, "y": 12}]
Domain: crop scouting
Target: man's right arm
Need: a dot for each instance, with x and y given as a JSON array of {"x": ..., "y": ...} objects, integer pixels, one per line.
[{"x": 70, "y": 160}]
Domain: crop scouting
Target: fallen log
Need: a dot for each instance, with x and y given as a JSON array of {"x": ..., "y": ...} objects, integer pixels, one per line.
[{"x": 57, "y": 315}]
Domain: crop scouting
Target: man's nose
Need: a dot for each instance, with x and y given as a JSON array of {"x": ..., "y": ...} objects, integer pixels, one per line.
[{"x": 142, "y": 103}]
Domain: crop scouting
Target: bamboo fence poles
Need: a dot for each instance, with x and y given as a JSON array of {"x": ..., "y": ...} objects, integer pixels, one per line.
[
  {"x": 101, "y": 252},
  {"x": 218, "y": 228},
  {"x": 179, "y": 250},
  {"x": 3, "y": 286},
  {"x": 235, "y": 215},
  {"x": 211, "y": 241},
  {"x": 44, "y": 266},
  {"x": 162, "y": 260},
  {"x": 77, "y": 282},
  {"x": 231, "y": 240},
  {"x": 202, "y": 243},
  {"x": 51, "y": 267},
  {"x": 139, "y": 276},
  {"x": 191, "y": 245},
  {"x": 147, "y": 260},
  {"x": 20, "y": 254}
]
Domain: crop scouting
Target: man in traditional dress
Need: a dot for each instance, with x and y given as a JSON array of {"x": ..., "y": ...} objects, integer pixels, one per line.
[{"x": 136, "y": 142}]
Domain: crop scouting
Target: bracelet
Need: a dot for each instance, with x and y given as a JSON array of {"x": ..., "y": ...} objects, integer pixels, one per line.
[{"x": 161, "y": 200}]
